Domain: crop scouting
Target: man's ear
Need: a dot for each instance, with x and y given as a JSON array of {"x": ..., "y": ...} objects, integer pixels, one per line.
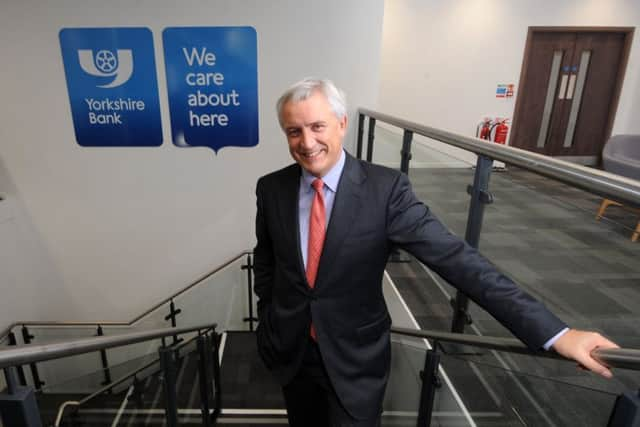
[{"x": 343, "y": 123}]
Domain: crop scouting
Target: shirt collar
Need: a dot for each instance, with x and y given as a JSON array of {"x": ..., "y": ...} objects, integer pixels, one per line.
[{"x": 331, "y": 179}]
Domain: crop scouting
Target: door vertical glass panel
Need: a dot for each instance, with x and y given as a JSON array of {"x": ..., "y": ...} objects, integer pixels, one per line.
[
  {"x": 551, "y": 91},
  {"x": 577, "y": 98}
]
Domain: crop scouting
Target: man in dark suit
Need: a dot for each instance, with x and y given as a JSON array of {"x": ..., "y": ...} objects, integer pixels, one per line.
[{"x": 325, "y": 227}]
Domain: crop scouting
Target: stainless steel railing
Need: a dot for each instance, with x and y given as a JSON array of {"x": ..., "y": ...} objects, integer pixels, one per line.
[
  {"x": 595, "y": 181},
  {"x": 616, "y": 358},
  {"x": 32, "y": 353}
]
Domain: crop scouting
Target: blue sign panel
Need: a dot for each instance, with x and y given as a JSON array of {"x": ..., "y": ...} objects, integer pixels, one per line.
[
  {"x": 111, "y": 78},
  {"x": 212, "y": 80}
]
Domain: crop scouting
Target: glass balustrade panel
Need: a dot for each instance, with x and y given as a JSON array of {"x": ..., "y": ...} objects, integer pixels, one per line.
[
  {"x": 221, "y": 298},
  {"x": 53, "y": 395},
  {"x": 387, "y": 146},
  {"x": 402, "y": 398},
  {"x": 501, "y": 389},
  {"x": 544, "y": 235},
  {"x": 428, "y": 153},
  {"x": 140, "y": 400}
]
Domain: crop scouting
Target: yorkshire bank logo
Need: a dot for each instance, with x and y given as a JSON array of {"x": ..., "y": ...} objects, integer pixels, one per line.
[
  {"x": 104, "y": 63},
  {"x": 113, "y": 90}
]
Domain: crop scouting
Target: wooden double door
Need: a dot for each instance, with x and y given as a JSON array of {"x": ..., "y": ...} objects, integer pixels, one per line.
[{"x": 569, "y": 89}]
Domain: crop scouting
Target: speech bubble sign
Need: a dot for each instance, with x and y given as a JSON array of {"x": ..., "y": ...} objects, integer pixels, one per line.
[{"x": 212, "y": 82}]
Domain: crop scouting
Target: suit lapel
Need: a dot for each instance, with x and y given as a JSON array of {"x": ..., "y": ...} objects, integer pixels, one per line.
[
  {"x": 346, "y": 208},
  {"x": 289, "y": 217}
]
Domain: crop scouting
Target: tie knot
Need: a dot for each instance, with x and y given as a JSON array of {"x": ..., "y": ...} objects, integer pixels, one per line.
[{"x": 317, "y": 184}]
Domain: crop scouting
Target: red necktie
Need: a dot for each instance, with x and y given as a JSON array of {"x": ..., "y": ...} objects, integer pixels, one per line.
[{"x": 317, "y": 220}]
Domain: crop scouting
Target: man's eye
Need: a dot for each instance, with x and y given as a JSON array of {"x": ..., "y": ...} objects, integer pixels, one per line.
[
  {"x": 318, "y": 126},
  {"x": 293, "y": 132}
]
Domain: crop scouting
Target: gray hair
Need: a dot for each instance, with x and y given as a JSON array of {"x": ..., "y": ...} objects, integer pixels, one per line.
[{"x": 308, "y": 86}]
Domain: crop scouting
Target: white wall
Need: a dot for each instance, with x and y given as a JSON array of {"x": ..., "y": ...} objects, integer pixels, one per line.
[
  {"x": 121, "y": 228},
  {"x": 29, "y": 280},
  {"x": 441, "y": 61}
]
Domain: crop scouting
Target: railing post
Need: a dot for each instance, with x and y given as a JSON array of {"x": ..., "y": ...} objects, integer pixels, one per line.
[
  {"x": 27, "y": 337},
  {"x": 213, "y": 343},
  {"x": 249, "y": 268},
  {"x": 21, "y": 375},
  {"x": 626, "y": 411},
  {"x": 370, "y": 138},
  {"x": 360, "y": 135},
  {"x": 405, "y": 153},
  {"x": 18, "y": 406},
  {"x": 204, "y": 379},
  {"x": 430, "y": 382},
  {"x": 172, "y": 315},
  {"x": 168, "y": 367},
  {"x": 480, "y": 197},
  {"x": 138, "y": 391},
  {"x": 405, "y": 157},
  {"x": 105, "y": 362},
  {"x": 10, "y": 378}
]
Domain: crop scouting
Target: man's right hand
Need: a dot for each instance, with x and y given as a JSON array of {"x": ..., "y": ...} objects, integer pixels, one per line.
[{"x": 578, "y": 345}]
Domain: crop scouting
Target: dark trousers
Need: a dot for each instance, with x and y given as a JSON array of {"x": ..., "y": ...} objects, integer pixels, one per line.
[{"x": 311, "y": 400}]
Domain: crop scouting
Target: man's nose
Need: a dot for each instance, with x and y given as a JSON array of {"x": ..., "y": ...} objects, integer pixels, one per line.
[{"x": 307, "y": 139}]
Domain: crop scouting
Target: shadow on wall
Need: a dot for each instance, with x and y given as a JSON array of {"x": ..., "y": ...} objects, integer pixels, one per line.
[{"x": 31, "y": 286}]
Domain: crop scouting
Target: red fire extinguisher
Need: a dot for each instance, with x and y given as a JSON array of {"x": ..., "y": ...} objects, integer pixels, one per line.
[
  {"x": 502, "y": 129},
  {"x": 484, "y": 129}
]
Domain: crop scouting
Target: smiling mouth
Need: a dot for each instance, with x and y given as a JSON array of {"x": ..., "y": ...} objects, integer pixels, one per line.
[{"x": 311, "y": 155}]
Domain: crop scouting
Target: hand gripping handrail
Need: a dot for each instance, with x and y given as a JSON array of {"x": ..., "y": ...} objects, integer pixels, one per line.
[
  {"x": 605, "y": 184},
  {"x": 32, "y": 353},
  {"x": 625, "y": 358}
]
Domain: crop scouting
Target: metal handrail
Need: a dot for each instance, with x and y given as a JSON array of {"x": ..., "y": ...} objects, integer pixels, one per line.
[
  {"x": 32, "y": 353},
  {"x": 625, "y": 358},
  {"x": 8, "y": 329},
  {"x": 603, "y": 183}
]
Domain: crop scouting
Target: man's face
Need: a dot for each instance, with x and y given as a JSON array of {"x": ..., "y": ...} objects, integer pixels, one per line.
[{"x": 314, "y": 133}]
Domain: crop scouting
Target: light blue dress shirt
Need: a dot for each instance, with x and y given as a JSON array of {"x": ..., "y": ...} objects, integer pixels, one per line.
[
  {"x": 305, "y": 198},
  {"x": 331, "y": 180}
]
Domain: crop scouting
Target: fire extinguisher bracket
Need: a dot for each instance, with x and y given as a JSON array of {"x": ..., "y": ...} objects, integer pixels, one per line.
[{"x": 485, "y": 196}]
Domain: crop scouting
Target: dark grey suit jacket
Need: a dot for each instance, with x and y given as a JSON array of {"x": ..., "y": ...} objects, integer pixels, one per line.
[{"x": 374, "y": 210}]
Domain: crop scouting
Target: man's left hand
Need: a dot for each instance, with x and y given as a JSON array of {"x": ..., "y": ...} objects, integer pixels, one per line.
[{"x": 577, "y": 345}]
